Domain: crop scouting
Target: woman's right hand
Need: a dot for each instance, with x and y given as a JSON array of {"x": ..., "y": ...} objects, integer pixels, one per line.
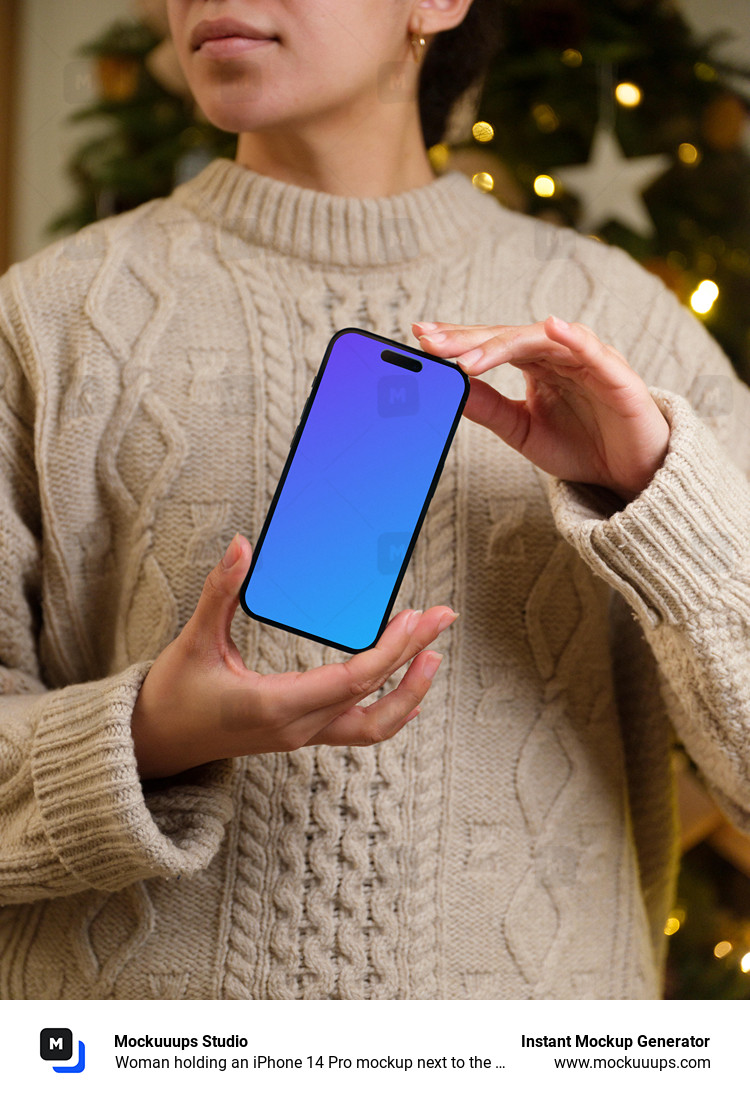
[{"x": 199, "y": 702}]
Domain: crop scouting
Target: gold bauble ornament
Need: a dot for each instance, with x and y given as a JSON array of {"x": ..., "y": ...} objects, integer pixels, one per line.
[
  {"x": 723, "y": 122},
  {"x": 117, "y": 76}
]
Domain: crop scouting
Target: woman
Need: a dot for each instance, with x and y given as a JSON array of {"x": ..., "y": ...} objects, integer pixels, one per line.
[{"x": 203, "y": 806}]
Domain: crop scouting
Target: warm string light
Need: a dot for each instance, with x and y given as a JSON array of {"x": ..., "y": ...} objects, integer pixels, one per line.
[
  {"x": 572, "y": 58},
  {"x": 704, "y": 296},
  {"x": 674, "y": 921},
  {"x": 439, "y": 155},
  {"x": 724, "y": 948},
  {"x": 545, "y": 118},
  {"x": 628, "y": 95},
  {"x": 483, "y": 181},
  {"x": 482, "y": 131},
  {"x": 544, "y": 187},
  {"x": 688, "y": 154},
  {"x": 704, "y": 71}
]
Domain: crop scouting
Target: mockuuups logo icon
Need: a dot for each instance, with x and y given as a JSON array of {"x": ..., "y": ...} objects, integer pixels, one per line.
[{"x": 56, "y": 1045}]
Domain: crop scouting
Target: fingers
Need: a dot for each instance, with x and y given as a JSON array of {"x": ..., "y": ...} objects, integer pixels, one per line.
[
  {"x": 571, "y": 350},
  {"x": 580, "y": 339},
  {"x": 274, "y": 714},
  {"x": 384, "y": 718},
  {"x": 208, "y": 627},
  {"x": 292, "y": 709},
  {"x": 475, "y": 347},
  {"x": 335, "y": 687}
]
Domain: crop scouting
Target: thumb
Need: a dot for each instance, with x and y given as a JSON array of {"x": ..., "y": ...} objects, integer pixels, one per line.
[
  {"x": 219, "y": 599},
  {"x": 507, "y": 418}
]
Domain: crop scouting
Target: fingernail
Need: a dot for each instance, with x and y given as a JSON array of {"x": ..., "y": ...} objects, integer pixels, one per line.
[
  {"x": 447, "y": 619},
  {"x": 432, "y": 664},
  {"x": 559, "y": 321},
  {"x": 470, "y": 357},
  {"x": 232, "y": 552},
  {"x": 411, "y": 621},
  {"x": 426, "y": 326}
]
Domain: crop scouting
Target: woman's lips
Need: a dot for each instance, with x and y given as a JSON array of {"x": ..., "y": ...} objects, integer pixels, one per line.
[{"x": 231, "y": 46}]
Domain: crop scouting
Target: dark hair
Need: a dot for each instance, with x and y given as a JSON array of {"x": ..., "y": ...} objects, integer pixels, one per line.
[{"x": 455, "y": 61}]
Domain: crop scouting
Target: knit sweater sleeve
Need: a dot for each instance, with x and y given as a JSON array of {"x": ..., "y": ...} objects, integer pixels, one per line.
[
  {"x": 680, "y": 552},
  {"x": 73, "y": 812}
]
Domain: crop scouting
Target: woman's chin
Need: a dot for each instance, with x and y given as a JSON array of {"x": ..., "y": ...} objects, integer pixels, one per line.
[{"x": 235, "y": 117}]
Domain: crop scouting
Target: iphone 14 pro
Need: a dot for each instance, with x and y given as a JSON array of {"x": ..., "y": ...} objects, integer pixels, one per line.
[{"x": 362, "y": 468}]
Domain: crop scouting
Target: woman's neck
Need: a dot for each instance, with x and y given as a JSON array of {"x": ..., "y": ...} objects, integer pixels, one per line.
[{"x": 361, "y": 163}]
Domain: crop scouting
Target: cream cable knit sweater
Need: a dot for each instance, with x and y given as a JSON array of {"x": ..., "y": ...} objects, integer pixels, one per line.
[{"x": 517, "y": 839}]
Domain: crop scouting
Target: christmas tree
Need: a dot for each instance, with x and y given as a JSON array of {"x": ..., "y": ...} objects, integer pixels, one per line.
[
  {"x": 153, "y": 135},
  {"x": 611, "y": 116}
]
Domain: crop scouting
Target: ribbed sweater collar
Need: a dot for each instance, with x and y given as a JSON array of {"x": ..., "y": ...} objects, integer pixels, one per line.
[{"x": 318, "y": 227}]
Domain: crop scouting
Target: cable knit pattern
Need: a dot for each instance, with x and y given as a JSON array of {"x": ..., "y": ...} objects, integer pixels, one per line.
[{"x": 517, "y": 839}]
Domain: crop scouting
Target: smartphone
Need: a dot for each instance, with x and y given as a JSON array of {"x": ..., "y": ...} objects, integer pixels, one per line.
[{"x": 362, "y": 468}]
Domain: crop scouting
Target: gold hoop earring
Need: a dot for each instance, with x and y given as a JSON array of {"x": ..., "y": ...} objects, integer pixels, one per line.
[{"x": 417, "y": 44}]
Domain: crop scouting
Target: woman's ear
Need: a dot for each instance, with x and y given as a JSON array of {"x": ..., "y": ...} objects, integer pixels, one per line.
[{"x": 439, "y": 15}]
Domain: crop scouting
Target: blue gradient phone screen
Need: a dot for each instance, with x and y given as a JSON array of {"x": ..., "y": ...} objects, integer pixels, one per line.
[{"x": 373, "y": 439}]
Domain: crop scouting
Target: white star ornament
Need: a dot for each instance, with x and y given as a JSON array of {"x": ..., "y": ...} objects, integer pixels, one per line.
[{"x": 610, "y": 185}]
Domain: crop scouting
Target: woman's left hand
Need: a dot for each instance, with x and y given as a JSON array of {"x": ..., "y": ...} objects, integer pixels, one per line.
[{"x": 587, "y": 415}]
